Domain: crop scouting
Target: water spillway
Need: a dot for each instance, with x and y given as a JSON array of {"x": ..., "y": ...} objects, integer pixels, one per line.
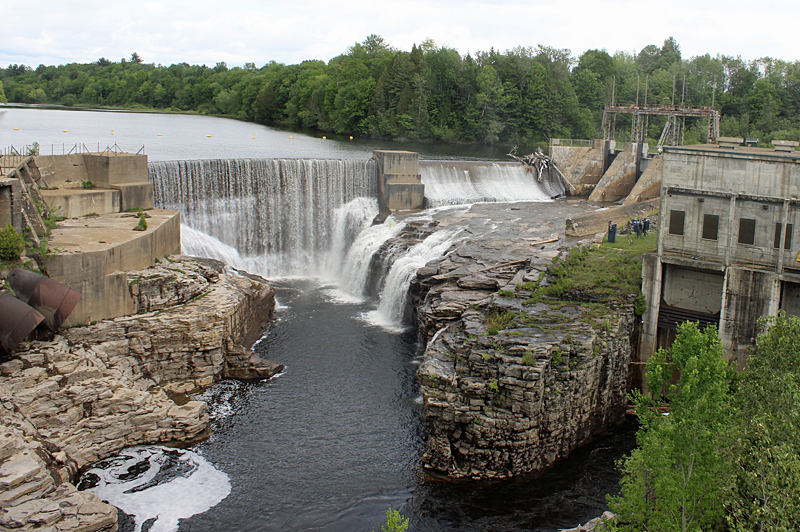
[
  {"x": 281, "y": 210},
  {"x": 457, "y": 183}
]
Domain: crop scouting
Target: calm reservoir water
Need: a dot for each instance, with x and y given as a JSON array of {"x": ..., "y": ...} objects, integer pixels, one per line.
[
  {"x": 335, "y": 440},
  {"x": 169, "y": 137}
]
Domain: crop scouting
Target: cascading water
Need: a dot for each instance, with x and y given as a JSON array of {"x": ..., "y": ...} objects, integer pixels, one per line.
[
  {"x": 456, "y": 183},
  {"x": 393, "y": 300},
  {"x": 311, "y": 218},
  {"x": 282, "y": 210}
]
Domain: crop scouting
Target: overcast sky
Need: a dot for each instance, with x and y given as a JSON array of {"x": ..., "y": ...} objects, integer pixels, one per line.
[{"x": 240, "y": 31}]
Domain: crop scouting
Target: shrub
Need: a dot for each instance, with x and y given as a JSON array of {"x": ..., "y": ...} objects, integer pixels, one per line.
[
  {"x": 557, "y": 357},
  {"x": 142, "y": 225},
  {"x": 493, "y": 386},
  {"x": 11, "y": 244},
  {"x": 639, "y": 304},
  {"x": 505, "y": 293},
  {"x": 529, "y": 359}
]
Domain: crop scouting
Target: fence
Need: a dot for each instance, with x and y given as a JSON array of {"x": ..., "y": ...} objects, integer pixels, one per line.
[
  {"x": 572, "y": 143},
  {"x": 12, "y": 156}
]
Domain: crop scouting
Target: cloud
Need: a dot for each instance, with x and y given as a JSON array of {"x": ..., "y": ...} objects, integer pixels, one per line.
[{"x": 240, "y": 31}]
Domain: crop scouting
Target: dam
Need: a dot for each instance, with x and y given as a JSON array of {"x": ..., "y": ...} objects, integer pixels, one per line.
[{"x": 337, "y": 438}]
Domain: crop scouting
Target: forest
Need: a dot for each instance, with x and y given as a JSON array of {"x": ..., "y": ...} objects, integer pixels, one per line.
[{"x": 522, "y": 96}]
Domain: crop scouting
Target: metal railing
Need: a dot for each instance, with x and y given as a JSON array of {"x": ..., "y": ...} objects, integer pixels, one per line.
[
  {"x": 571, "y": 143},
  {"x": 12, "y": 156}
]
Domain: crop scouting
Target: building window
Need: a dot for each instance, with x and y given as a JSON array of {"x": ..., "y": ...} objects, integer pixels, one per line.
[
  {"x": 710, "y": 226},
  {"x": 676, "y": 220},
  {"x": 787, "y": 239},
  {"x": 747, "y": 231}
]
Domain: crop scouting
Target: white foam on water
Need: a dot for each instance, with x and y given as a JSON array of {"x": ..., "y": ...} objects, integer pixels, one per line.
[
  {"x": 199, "y": 244},
  {"x": 190, "y": 485}
]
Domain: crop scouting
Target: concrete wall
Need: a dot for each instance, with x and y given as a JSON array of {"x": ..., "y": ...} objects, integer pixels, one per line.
[
  {"x": 749, "y": 295},
  {"x": 74, "y": 203},
  {"x": 754, "y": 171},
  {"x": 98, "y": 272},
  {"x": 649, "y": 184},
  {"x": 106, "y": 170},
  {"x": 57, "y": 169},
  {"x": 693, "y": 289},
  {"x": 399, "y": 181},
  {"x": 621, "y": 176}
]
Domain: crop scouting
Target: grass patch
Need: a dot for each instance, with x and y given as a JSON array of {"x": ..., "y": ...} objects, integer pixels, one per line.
[
  {"x": 505, "y": 293},
  {"x": 497, "y": 320}
]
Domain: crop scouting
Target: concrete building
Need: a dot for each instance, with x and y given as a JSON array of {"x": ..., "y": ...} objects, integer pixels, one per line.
[{"x": 728, "y": 248}]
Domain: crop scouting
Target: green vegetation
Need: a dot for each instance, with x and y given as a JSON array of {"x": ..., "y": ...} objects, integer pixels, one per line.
[
  {"x": 557, "y": 357},
  {"x": 529, "y": 359},
  {"x": 522, "y": 96},
  {"x": 493, "y": 386},
  {"x": 497, "y": 320},
  {"x": 395, "y": 522},
  {"x": 612, "y": 272},
  {"x": 505, "y": 293},
  {"x": 11, "y": 244},
  {"x": 726, "y": 457},
  {"x": 142, "y": 225},
  {"x": 87, "y": 185}
]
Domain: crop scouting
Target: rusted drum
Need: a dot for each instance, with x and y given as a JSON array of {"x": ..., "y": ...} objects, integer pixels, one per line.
[
  {"x": 54, "y": 300},
  {"x": 17, "y": 320}
]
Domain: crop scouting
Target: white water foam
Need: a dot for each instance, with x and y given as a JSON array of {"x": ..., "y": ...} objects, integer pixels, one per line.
[
  {"x": 158, "y": 486},
  {"x": 392, "y": 307},
  {"x": 199, "y": 244},
  {"x": 463, "y": 183}
]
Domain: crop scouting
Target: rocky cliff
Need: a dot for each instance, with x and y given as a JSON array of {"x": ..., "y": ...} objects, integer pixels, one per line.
[
  {"x": 90, "y": 391},
  {"x": 512, "y": 381}
]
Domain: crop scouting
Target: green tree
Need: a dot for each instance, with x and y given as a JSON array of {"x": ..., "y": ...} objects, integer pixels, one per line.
[
  {"x": 765, "y": 490},
  {"x": 3, "y": 98},
  {"x": 675, "y": 478}
]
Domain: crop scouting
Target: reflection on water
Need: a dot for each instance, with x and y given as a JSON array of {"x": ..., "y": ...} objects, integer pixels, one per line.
[{"x": 171, "y": 137}]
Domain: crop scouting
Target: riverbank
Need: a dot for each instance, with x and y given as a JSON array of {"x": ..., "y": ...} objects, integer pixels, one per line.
[{"x": 88, "y": 392}]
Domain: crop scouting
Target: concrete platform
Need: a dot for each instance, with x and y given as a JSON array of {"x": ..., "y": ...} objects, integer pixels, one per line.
[{"x": 93, "y": 254}]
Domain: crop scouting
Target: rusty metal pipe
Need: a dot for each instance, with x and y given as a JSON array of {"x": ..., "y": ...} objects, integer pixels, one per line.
[
  {"x": 17, "y": 320},
  {"x": 54, "y": 300}
]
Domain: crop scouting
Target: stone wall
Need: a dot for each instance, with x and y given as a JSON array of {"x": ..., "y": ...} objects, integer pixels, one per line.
[{"x": 91, "y": 391}]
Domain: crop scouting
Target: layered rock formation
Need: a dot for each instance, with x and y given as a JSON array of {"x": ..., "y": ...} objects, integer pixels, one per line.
[
  {"x": 512, "y": 383},
  {"x": 91, "y": 391}
]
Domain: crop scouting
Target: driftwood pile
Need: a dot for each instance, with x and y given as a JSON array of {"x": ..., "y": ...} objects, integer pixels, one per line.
[{"x": 540, "y": 162}]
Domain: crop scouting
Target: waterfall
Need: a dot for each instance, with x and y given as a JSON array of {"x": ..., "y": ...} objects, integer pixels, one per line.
[
  {"x": 312, "y": 218},
  {"x": 279, "y": 210},
  {"x": 394, "y": 296},
  {"x": 455, "y": 183}
]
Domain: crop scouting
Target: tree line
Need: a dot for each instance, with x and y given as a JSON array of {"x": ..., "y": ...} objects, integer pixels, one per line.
[{"x": 522, "y": 96}]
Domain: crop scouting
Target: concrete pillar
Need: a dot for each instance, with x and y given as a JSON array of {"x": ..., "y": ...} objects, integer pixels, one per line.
[
  {"x": 6, "y": 217},
  {"x": 652, "y": 278},
  {"x": 400, "y": 185}
]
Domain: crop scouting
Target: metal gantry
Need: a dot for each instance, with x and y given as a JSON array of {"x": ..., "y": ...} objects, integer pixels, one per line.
[{"x": 672, "y": 134}]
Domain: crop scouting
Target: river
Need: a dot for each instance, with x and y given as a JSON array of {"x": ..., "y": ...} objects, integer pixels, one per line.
[{"x": 335, "y": 440}]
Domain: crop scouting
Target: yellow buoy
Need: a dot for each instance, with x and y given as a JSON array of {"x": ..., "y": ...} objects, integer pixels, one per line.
[
  {"x": 254, "y": 136},
  {"x": 159, "y": 134},
  {"x": 65, "y": 131},
  {"x": 291, "y": 137},
  {"x": 209, "y": 136},
  {"x": 16, "y": 129},
  {"x": 112, "y": 131}
]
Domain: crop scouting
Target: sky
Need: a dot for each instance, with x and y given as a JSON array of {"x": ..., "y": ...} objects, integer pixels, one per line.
[{"x": 54, "y": 32}]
